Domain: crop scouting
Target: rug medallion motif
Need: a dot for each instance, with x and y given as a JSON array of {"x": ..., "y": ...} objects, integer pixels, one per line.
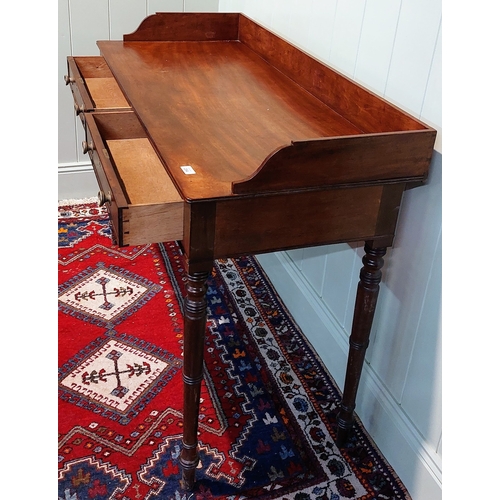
[
  {"x": 116, "y": 375},
  {"x": 105, "y": 295}
]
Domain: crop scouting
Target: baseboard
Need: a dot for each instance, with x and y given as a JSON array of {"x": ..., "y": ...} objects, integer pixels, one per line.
[
  {"x": 76, "y": 181},
  {"x": 418, "y": 466}
]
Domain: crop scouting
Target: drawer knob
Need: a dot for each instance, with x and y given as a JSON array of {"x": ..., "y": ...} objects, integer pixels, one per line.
[
  {"x": 103, "y": 198},
  {"x": 87, "y": 146},
  {"x": 68, "y": 79},
  {"x": 79, "y": 109}
]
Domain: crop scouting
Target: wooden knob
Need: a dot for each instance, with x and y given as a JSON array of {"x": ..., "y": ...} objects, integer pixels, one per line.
[
  {"x": 103, "y": 198},
  {"x": 79, "y": 109},
  {"x": 87, "y": 146},
  {"x": 68, "y": 79}
]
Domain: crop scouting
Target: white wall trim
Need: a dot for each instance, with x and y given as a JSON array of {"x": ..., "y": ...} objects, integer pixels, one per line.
[
  {"x": 421, "y": 469},
  {"x": 74, "y": 167},
  {"x": 76, "y": 181}
]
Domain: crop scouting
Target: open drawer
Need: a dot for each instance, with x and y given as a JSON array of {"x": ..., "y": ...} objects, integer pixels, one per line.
[
  {"x": 93, "y": 85},
  {"x": 143, "y": 203}
]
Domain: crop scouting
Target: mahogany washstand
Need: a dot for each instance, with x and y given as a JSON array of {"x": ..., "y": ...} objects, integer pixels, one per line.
[{"x": 211, "y": 130}]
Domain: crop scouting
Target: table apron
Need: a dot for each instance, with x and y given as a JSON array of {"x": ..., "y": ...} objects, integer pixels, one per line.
[{"x": 292, "y": 220}]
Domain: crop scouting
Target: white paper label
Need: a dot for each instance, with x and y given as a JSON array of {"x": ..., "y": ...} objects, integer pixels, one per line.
[{"x": 188, "y": 169}]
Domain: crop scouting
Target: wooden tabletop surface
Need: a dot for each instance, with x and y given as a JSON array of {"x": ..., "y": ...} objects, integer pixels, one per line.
[{"x": 216, "y": 107}]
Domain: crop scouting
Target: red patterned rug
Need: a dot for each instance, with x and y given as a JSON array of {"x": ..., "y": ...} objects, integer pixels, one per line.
[{"x": 267, "y": 417}]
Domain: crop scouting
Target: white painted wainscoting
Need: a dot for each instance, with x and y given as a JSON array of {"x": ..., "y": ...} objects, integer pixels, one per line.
[{"x": 392, "y": 47}]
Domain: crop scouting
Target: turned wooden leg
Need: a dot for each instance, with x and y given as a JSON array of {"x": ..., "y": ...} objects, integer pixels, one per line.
[
  {"x": 195, "y": 320},
  {"x": 366, "y": 300}
]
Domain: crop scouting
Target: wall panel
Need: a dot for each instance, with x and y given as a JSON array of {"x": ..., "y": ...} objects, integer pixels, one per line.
[
  {"x": 201, "y": 5},
  {"x": 313, "y": 267},
  {"x": 164, "y": 6},
  {"x": 320, "y": 28},
  {"x": 346, "y": 35},
  {"x": 280, "y": 16},
  {"x": 89, "y": 22},
  {"x": 296, "y": 257},
  {"x": 376, "y": 42},
  {"x": 231, "y": 5},
  {"x": 260, "y": 10},
  {"x": 66, "y": 119},
  {"x": 124, "y": 19},
  {"x": 339, "y": 271},
  {"x": 431, "y": 109},
  {"x": 414, "y": 45},
  {"x": 423, "y": 380},
  {"x": 299, "y": 22}
]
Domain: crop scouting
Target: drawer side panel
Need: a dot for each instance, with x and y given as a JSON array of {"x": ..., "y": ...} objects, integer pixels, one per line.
[{"x": 153, "y": 223}]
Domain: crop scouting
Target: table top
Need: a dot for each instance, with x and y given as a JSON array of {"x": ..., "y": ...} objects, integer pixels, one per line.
[
  {"x": 216, "y": 107},
  {"x": 232, "y": 109}
]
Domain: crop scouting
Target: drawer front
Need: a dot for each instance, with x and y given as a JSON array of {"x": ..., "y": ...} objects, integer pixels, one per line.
[
  {"x": 144, "y": 205},
  {"x": 114, "y": 199},
  {"x": 81, "y": 97},
  {"x": 93, "y": 85}
]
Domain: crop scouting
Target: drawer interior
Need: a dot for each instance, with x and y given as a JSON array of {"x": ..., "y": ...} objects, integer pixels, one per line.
[
  {"x": 142, "y": 176},
  {"x": 145, "y": 203},
  {"x": 100, "y": 83}
]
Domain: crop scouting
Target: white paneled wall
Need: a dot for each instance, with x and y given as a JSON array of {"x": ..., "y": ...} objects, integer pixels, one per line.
[
  {"x": 346, "y": 31},
  {"x": 376, "y": 41},
  {"x": 394, "y": 48},
  {"x": 415, "y": 44}
]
